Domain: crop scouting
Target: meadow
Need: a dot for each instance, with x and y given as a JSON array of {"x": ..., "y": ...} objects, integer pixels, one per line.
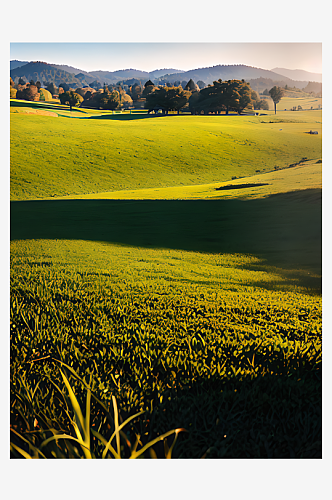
[{"x": 141, "y": 287}]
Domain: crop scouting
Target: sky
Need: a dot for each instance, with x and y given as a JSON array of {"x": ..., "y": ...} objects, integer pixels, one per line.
[{"x": 92, "y": 56}]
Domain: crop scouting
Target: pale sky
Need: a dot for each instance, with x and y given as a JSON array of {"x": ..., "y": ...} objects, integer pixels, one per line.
[{"x": 149, "y": 56}]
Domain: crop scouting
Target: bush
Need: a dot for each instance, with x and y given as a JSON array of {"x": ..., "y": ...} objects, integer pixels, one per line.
[{"x": 45, "y": 95}]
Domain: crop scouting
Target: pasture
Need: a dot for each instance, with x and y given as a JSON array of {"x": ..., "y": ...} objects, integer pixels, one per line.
[{"x": 139, "y": 279}]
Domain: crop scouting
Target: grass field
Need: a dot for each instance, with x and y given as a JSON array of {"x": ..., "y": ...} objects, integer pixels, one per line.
[
  {"x": 85, "y": 156},
  {"x": 200, "y": 306}
]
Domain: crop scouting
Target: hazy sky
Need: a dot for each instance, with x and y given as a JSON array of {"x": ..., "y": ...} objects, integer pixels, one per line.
[{"x": 184, "y": 56}]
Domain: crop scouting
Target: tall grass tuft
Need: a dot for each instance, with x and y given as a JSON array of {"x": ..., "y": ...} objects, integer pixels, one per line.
[{"x": 84, "y": 433}]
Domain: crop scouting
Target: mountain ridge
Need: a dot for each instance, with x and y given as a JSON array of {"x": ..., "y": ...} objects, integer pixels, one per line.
[
  {"x": 299, "y": 74},
  {"x": 42, "y": 71}
]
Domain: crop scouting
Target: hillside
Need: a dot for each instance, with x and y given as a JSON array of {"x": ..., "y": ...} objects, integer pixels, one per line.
[
  {"x": 259, "y": 78},
  {"x": 17, "y": 64},
  {"x": 98, "y": 154},
  {"x": 299, "y": 74},
  {"x": 226, "y": 72},
  {"x": 44, "y": 73}
]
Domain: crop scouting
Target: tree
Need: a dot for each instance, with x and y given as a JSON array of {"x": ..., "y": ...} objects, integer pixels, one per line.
[
  {"x": 148, "y": 88},
  {"x": 167, "y": 98},
  {"x": 113, "y": 101},
  {"x": 244, "y": 101},
  {"x": 276, "y": 94},
  {"x": 191, "y": 86},
  {"x": 201, "y": 84},
  {"x": 229, "y": 95},
  {"x": 261, "y": 104},
  {"x": 136, "y": 92},
  {"x": 13, "y": 92},
  {"x": 29, "y": 93},
  {"x": 194, "y": 102},
  {"x": 148, "y": 84},
  {"x": 51, "y": 88},
  {"x": 70, "y": 98},
  {"x": 21, "y": 81},
  {"x": 64, "y": 86}
]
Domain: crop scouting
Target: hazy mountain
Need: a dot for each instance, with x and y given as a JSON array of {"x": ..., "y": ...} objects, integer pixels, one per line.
[
  {"x": 166, "y": 71},
  {"x": 122, "y": 74},
  {"x": 299, "y": 74},
  {"x": 17, "y": 64},
  {"x": 225, "y": 72}
]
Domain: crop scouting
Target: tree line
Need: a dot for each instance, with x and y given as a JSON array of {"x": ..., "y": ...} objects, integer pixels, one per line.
[{"x": 222, "y": 96}]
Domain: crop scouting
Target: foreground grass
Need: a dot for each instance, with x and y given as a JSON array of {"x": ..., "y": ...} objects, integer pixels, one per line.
[
  {"x": 58, "y": 156},
  {"x": 206, "y": 314},
  {"x": 223, "y": 345}
]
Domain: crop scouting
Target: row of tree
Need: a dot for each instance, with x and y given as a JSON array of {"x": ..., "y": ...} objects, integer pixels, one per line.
[{"x": 222, "y": 96}]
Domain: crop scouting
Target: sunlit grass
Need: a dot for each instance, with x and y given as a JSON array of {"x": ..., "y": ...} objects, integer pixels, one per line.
[
  {"x": 58, "y": 156},
  {"x": 307, "y": 175}
]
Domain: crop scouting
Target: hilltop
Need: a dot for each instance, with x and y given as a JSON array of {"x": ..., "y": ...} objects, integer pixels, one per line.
[{"x": 258, "y": 78}]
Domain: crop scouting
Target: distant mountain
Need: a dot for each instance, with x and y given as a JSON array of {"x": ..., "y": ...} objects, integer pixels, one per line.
[
  {"x": 131, "y": 73},
  {"x": 122, "y": 74},
  {"x": 17, "y": 64},
  {"x": 258, "y": 78},
  {"x": 299, "y": 74},
  {"x": 70, "y": 69},
  {"x": 166, "y": 71},
  {"x": 38, "y": 70},
  {"x": 225, "y": 72}
]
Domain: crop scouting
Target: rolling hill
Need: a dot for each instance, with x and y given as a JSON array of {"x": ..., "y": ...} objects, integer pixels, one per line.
[
  {"x": 299, "y": 74},
  {"x": 258, "y": 78}
]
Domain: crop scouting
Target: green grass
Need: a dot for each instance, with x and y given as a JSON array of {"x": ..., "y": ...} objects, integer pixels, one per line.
[
  {"x": 305, "y": 175},
  {"x": 200, "y": 307},
  {"x": 60, "y": 156},
  {"x": 294, "y": 99},
  {"x": 224, "y": 345}
]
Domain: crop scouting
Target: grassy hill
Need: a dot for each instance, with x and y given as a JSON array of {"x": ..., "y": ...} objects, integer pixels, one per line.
[
  {"x": 200, "y": 307},
  {"x": 85, "y": 154}
]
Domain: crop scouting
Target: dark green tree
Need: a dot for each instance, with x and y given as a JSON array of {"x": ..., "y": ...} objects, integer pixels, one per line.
[
  {"x": 148, "y": 88},
  {"x": 244, "y": 91},
  {"x": 191, "y": 86},
  {"x": 276, "y": 94},
  {"x": 65, "y": 86},
  {"x": 70, "y": 98},
  {"x": 51, "y": 88}
]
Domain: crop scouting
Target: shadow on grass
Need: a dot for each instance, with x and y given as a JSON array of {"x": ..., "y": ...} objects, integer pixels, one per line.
[
  {"x": 118, "y": 116},
  {"x": 267, "y": 417},
  {"x": 284, "y": 230}
]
